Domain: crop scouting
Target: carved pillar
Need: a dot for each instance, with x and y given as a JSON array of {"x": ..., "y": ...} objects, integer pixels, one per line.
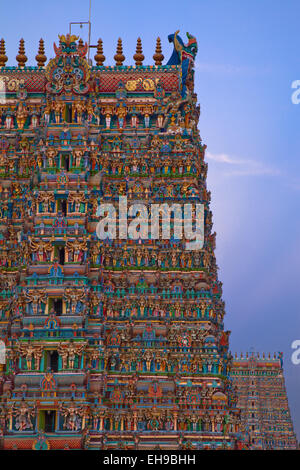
[
  {"x": 175, "y": 420},
  {"x": 135, "y": 421}
]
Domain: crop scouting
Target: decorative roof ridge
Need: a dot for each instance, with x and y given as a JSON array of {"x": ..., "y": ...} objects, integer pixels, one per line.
[
  {"x": 115, "y": 68},
  {"x": 104, "y": 68},
  {"x": 27, "y": 68},
  {"x": 258, "y": 355}
]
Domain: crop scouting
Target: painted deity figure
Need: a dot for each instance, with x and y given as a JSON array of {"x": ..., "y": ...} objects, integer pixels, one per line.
[
  {"x": 134, "y": 120},
  {"x": 147, "y": 112},
  {"x": 21, "y": 115},
  {"x": 24, "y": 416},
  {"x": 47, "y": 113},
  {"x": 51, "y": 154},
  {"x": 79, "y": 108},
  {"x": 160, "y": 120},
  {"x": 72, "y": 416},
  {"x": 9, "y": 122},
  {"x": 121, "y": 113},
  {"x": 78, "y": 157},
  {"x": 34, "y": 121},
  {"x": 57, "y": 108},
  {"x": 90, "y": 112}
]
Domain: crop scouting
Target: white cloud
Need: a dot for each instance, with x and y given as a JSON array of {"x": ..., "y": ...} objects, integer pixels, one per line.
[
  {"x": 223, "y": 158},
  {"x": 242, "y": 167}
]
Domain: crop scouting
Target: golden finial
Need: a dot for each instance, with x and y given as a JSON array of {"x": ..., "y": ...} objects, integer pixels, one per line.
[
  {"x": 138, "y": 56},
  {"x": 3, "y": 56},
  {"x": 99, "y": 57},
  {"x": 80, "y": 43},
  {"x": 158, "y": 56},
  {"x": 119, "y": 57},
  {"x": 40, "y": 57},
  {"x": 21, "y": 57}
]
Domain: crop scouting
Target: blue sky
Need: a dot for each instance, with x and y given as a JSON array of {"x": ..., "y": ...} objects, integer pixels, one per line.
[{"x": 248, "y": 57}]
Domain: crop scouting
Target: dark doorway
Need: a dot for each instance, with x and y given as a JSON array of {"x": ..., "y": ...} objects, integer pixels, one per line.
[
  {"x": 67, "y": 162},
  {"x": 61, "y": 255},
  {"x": 64, "y": 207},
  {"x": 50, "y": 420},
  {"x": 68, "y": 112},
  {"x": 57, "y": 305},
  {"x": 53, "y": 361}
]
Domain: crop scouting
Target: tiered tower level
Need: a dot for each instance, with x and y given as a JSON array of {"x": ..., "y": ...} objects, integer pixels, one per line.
[
  {"x": 109, "y": 343},
  {"x": 263, "y": 400}
]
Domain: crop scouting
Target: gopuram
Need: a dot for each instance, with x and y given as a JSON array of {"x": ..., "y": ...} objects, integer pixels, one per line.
[
  {"x": 114, "y": 343},
  {"x": 262, "y": 397}
]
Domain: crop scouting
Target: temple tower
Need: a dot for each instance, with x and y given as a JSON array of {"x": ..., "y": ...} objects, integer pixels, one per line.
[
  {"x": 113, "y": 342},
  {"x": 262, "y": 397}
]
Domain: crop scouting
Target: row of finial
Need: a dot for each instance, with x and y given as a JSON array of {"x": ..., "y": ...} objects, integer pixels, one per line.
[
  {"x": 99, "y": 57},
  {"x": 258, "y": 355}
]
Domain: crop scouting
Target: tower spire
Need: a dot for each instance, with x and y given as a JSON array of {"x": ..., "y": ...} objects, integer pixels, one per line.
[
  {"x": 158, "y": 57},
  {"x": 139, "y": 56},
  {"x": 119, "y": 56},
  {"x": 40, "y": 57},
  {"x": 99, "y": 57},
  {"x": 3, "y": 56},
  {"x": 21, "y": 57}
]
